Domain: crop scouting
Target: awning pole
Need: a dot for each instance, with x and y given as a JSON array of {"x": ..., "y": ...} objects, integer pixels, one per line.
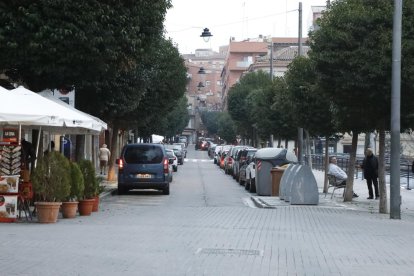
[{"x": 37, "y": 146}]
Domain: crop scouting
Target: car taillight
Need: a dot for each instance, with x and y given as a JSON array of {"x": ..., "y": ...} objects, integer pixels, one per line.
[
  {"x": 121, "y": 164},
  {"x": 165, "y": 165}
]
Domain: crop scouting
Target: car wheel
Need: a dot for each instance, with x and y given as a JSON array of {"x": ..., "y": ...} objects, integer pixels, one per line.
[
  {"x": 166, "y": 190},
  {"x": 252, "y": 185},
  {"x": 215, "y": 161},
  {"x": 247, "y": 185},
  {"x": 241, "y": 182},
  {"x": 175, "y": 168}
]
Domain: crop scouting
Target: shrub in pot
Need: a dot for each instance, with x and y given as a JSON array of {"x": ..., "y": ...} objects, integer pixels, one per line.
[
  {"x": 70, "y": 206},
  {"x": 51, "y": 184},
  {"x": 90, "y": 182},
  {"x": 98, "y": 190}
]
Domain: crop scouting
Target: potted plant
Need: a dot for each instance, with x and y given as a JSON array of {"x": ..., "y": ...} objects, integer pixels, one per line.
[
  {"x": 70, "y": 206},
  {"x": 51, "y": 184},
  {"x": 98, "y": 190},
  {"x": 90, "y": 182}
]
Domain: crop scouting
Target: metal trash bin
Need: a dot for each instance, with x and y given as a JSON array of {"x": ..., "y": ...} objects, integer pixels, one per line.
[
  {"x": 277, "y": 173},
  {"x": 266, "y": 159}
]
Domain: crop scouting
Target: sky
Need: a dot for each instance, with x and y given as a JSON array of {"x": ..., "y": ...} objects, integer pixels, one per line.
[{"x": 240, "y": 19}]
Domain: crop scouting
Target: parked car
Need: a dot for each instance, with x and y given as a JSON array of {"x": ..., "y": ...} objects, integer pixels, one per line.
[
  {"x": 217, "y": 154},
  {"x": 211, "y": 150},
  {"x": 183, "y": 148},
  {"x": 144, "y": 166},
  {"x": 245, "y": 159},
  {"x": 237, "y": 159},
  {"x": 250, "y": 183},
  {"x": 178, "y": 151},
  {"x": 172, "y": 159},
  {"x": 229, "y": 161}
]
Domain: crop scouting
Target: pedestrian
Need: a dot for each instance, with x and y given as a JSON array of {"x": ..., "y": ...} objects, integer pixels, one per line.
[
  {"x": 339, "y": 173},
  {"x": 28, "y": 155},
  {"x": 370, "y": 167},
  {"x": 104, "y": 155}
]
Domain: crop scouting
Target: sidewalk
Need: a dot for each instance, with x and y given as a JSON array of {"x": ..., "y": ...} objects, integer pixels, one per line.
[
  {"x": 360, "y": 203},
  {"x": 109, "y": 187}
]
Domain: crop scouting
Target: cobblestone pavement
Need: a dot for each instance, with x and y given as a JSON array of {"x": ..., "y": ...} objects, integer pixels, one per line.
[{"x": 209, "y": 226}]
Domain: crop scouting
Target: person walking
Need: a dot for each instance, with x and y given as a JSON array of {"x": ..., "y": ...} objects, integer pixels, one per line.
[
  {"x": 370, "y": 167},
  {"x": 104, "y": 155}
]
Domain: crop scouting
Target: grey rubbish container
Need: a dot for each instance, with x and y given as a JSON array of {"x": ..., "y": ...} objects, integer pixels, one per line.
[{"x": 266, "y": 159}]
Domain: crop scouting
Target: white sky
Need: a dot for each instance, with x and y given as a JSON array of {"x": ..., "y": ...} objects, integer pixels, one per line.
[{"x": 234, "y": 18}]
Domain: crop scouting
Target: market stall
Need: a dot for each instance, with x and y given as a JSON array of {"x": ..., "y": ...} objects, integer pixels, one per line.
[{"x": 24, "y": 109}]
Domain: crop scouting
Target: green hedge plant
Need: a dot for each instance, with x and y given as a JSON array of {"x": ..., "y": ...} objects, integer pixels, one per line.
[
  {"x": 51, "y": 178},
  {"x": 77, "y": 182},
  {"x": 89, "y": 177}
]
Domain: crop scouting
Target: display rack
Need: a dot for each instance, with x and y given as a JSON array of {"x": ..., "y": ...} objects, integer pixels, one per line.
[{"x": 10, "y": 168}]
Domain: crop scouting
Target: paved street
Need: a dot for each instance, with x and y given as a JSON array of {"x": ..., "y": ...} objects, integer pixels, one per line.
[{"x": 210, "y": 226}]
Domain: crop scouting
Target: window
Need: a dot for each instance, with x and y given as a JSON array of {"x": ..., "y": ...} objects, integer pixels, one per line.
[
  {"x": 207, "y": 83},
  {"x": 143, "y": 155}
]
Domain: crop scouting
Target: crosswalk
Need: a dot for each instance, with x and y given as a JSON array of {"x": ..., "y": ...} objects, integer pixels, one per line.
[{"x": 198, "y": 160}]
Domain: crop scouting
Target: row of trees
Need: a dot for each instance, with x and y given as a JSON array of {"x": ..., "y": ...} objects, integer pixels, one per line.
[
  {"x": 344, "y": 85},
  {"x": 113, "y": 52}
]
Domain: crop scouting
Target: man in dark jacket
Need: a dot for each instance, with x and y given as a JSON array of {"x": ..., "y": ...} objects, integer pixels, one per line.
[{"x": 370, "y": 166}]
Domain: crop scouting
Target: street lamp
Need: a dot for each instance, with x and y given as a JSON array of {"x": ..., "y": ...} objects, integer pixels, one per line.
[
  {"x": 206, "y": 34},
  {"x": 200, "y": 85}
]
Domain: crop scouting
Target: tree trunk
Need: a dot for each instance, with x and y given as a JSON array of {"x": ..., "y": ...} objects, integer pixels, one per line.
[
  {"x": 308, "y": 149},
  {"x": 351, "y": 168},
  {"x": 383, "y": 206},
  {"x": 279, "y": 142},
  {"x": 325, "y": 181},
  {"x": 114, "y": 152},
  {"x": 367, "y": 140},
  {"x": 80, "y": 148}
]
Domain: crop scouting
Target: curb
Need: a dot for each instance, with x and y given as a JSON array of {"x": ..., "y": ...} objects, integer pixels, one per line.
[
  {"x": 108, "y": 192},
  {"x": 260, "y": 203}
]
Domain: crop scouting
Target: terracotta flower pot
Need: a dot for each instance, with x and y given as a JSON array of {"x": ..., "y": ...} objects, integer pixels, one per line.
[
  {"x": 47, "y": 212},
  {"x": 96, "y": 204},
  {"x": 69, "y": 209},
  {"x": 85, "y": 207}
]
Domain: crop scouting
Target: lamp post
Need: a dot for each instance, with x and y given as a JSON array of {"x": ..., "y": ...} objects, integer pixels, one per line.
[
  {"x": 206, "y": 34},
  {"x": 395, "y": 196},
  {"x": 300, "y": 130}
]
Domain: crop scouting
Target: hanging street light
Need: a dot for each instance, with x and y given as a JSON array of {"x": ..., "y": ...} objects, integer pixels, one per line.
[{"x": 206, "y": 34}]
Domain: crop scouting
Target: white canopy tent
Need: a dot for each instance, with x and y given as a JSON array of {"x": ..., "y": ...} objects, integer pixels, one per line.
[
  {"x": 29, "y": 110},
  {"x": 23, "y": 107}
]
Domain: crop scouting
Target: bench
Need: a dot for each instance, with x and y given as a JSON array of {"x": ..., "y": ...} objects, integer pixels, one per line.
[{"x": 332, "y": 184}]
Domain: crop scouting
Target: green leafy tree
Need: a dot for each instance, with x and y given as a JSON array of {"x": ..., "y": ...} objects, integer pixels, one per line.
[
  {"x": 226, "y": 128},
  {"x": 238, "y": 102},
  {"x": 352, "y": 54},
  {"x": 211, "y": 120},
  {"x": 177, "y": 118},
  {"x": 52, "y": 43},
  {"x": 284, "y": 116}
]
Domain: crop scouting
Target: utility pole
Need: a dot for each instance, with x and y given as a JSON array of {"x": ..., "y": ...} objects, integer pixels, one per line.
[
  {"x": 395, "y": 197},
  {"x": 271, "y": 79},
  {"x": 300, "y": 130}
]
